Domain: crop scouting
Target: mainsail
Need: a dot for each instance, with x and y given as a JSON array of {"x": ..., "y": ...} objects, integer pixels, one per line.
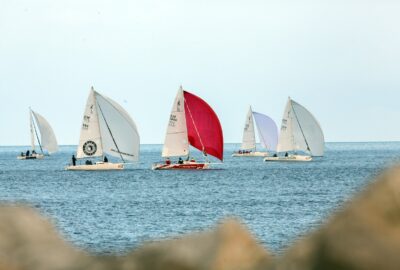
[
  {"x": 249, "y": 136},
  {"x": 300, "y": 131},
  {"x": 267, "y": 131},
  {"x": 203, "y": 126},
  {"x": 107, "y": 129},
  {"x": 176, "y": 140},
  {"x": 47, "y": 137}
]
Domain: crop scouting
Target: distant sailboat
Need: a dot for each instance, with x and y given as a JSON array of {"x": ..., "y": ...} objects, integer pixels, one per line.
[
  {"x": 47, "y": 141},
  {"x": 267, "y": 132},
  {"x": 301, "y": 136},
  {"x": 106, "y": 129},
  {"x": 192, "y": 123}
]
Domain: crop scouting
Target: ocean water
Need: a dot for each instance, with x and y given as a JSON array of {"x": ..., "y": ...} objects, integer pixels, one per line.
[{"x": 113, "y": 212}]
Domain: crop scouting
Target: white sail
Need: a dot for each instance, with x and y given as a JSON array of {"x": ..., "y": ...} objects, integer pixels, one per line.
[
  {"x": 90, "y": 144},
  {"x": 249, "y": 137},
  {"x": 267, "y": 131},
  {"x": 176, "y": 140},
  {"x": 47, "y": 138},
  {"x": 310, "y": 128},
  {"x": 119, "y": 134},
  {"x": 300, "y": 131},
  {"x": 32, "y": 131}
]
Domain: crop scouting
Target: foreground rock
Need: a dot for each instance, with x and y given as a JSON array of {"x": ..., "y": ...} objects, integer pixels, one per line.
[
  {"x": 27, "y": 241},
  {"x": 228, "y": 247},
  {"x": 365, "y": 235}
]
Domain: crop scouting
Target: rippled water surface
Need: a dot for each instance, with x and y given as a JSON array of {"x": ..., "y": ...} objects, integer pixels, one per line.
[{"x": 111, "y": 212}]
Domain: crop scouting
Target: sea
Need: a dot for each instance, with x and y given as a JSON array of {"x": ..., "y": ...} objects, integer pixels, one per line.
[{"x": 114, "y": 212}]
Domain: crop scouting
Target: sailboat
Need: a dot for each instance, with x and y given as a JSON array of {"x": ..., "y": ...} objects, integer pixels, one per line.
[
  {"x": 192, "y": 122},
  {"x": 301, "y": 136},
  {"x": 47, "y": 141},
  {"x": 267, "y": 132},
  {"x": 106, "y": 129}
]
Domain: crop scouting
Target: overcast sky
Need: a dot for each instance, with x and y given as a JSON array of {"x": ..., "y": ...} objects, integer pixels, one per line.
[{"x": 340, "y": 59}]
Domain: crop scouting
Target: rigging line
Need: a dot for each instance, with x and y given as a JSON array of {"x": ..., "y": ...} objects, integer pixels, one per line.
[
  {"x": 109, "y": 130},
  {"x": 37, "y": 136},
  {"x": 195, "y": 127},
  {"x": 301, "y": 129}
]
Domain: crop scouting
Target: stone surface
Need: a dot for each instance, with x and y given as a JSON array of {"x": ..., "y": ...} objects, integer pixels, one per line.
[{"x": 364, "y": 235}]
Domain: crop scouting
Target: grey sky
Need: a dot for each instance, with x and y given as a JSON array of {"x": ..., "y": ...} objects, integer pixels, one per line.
[{"x": 340, "y": 59}]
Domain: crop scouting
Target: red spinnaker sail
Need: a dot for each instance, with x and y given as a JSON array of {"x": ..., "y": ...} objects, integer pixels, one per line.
[{"x": 203, "y": 126}]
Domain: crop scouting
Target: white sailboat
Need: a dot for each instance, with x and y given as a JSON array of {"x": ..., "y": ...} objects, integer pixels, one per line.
[
  {"x": 267, "y": 132},
  {"x": 47, "y": 142},
  {"x": 106, "y": 129},
  {"x": 301, "y": 136},
  {"x": 192, "y": 122}
]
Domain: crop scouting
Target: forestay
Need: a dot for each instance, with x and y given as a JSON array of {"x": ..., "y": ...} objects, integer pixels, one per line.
[
  {"x": 176, "y": 140},
  {"x": 249, "y": 137}
]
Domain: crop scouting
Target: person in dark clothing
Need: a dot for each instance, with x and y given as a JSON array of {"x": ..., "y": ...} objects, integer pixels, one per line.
[
  {"x": 286, "y": 154},
  {"x": 73, "y": 160},
  {"x": 180, "y": 161},
  {"x": 22, "y": 154},
  {"x": 275, "y": 155},
  {"x": 105, "y": 159},
  {"x": 88, "y": 162},
  {"x": 28, "y": 153},
  {"x": 33, "y": 152}
]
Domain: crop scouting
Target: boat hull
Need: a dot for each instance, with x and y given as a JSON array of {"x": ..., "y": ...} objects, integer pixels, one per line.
[
  {"x": 252, "y": 154},
  {"x": 98, "y": 166},
  {"x": 184, "y": 166},
  {"x": 34, "y": 156},
  {"x": 291, "y": 158}
]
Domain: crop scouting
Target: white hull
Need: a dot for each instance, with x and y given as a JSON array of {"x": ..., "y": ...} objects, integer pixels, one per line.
[
  {"x": 290, "y": 158},
  {"x": 34, "y": 156},
  {"x": 98, "y": 166},
  {"x": 251, "y": 154}
]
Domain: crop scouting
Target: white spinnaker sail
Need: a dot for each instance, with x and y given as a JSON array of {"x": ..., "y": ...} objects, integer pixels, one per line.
[
  {"x": 119, "y": 134},
  {"x": 32, "y": 130},
  {"x": 311, "y": 129},
  {"x": 267, "y": 131},
  {"x": 176, "y": 140},
  {"x": 300, "y": 131},
  {"x": 249, "y": 136},
  {"x": 90, "y": 144},
  {"x": 47, "y": 138}
]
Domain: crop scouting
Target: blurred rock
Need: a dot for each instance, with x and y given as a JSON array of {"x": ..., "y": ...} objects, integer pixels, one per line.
[
  {"x": 364, "y": 235},
  {"x": 29, "y": 242},
  {"x": 229, "y": 247}
]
